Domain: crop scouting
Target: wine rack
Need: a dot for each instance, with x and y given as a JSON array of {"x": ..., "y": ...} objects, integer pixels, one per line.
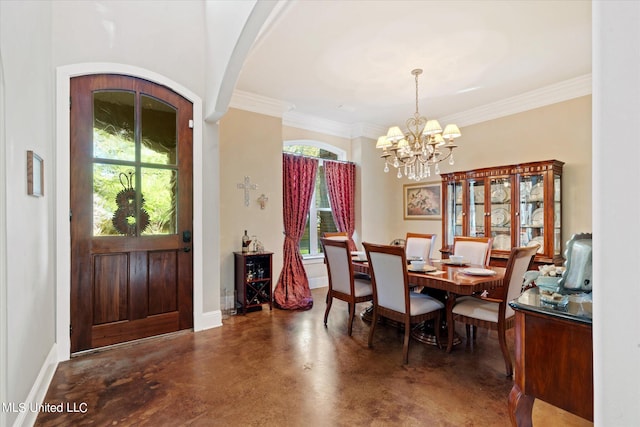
[{"x": 253, "y": 276}]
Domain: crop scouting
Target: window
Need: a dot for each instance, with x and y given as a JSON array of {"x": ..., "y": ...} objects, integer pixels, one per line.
[{"x": 320, "y": 209}]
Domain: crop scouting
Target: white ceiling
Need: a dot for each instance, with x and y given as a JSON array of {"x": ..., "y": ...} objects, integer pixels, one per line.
[{"x": 351, "y": 61}]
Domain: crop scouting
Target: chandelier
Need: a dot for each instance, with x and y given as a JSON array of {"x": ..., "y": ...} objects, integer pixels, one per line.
[{"x": 423, "y": 145}]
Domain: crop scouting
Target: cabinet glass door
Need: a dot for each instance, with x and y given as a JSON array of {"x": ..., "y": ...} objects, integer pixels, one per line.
[
  {"x": 532, "y": 211},
  {"x": 476, "y": 209},
  {"x": 501, "y": 213},
  {"x": 557, "y": 215},
  {"x": 454, "y": 211}
]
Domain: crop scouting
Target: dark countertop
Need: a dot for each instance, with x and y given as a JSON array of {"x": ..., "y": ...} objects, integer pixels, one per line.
[{"x": 577, "y": 307}]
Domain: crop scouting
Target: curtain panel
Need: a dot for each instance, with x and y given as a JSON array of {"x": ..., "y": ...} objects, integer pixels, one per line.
[
  {"x": 298, "y": 180},
  {"x": 341, "y": 183}
]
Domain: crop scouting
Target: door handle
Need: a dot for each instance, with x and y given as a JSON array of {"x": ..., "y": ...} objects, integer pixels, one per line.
[
  {"x": 186, "y": 236},
  {"x": 186, "y": 249}
]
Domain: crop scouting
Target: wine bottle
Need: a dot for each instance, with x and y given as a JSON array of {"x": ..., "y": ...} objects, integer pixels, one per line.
[{"x": 246, "y": 241}]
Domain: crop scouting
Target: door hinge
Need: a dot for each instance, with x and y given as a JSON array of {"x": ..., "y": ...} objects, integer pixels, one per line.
[
  {"x": 70, "y": 330},
  {"x": 190, "y": 124},
  {"x": 69, "y": 103},
  {"x": 70, "y": 215}
]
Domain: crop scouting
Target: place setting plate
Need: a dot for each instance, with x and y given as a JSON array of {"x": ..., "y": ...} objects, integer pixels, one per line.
[
  {"x": 478, "y": 271},
  {"x": 424, "y": 269},
  {"x": 358, "y": 256}
]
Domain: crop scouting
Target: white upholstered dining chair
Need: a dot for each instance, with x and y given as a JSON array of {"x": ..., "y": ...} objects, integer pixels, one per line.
[
  {"x": 494, "y": 312},
  {"x": 474, "y": 250},
  {"x": 391, "y": 296},
  {"x": 419, "y": 245},
  {"x": 343, "y": 285}
]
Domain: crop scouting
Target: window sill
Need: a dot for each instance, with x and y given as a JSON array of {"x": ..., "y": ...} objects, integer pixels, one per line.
[{"x": 313, "y": 259}]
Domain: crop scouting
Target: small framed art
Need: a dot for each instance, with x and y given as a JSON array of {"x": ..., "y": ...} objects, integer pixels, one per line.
[
  {"x": 35, "y": 175},
  {"x": 422, "y": 201}
]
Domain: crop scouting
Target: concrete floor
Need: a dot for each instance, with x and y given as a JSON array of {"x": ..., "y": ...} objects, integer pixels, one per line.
[{"x": 284, "y": 368}]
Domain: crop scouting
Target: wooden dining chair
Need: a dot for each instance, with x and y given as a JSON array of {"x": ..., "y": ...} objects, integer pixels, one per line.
[
  {"x": 494, "y": 312},
  {"x": 391, "y": 296},
  {"x": 335, "y": 235},
  {"x": 419, "y": 245},
  {"x": 343, "y": 285},
  {"x": 475, "y": 250}
]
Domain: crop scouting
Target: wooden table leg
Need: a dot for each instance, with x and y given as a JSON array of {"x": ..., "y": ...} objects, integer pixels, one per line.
[
  {"x": 520, "y": 407},
  {"x": 451, "y": 301}
]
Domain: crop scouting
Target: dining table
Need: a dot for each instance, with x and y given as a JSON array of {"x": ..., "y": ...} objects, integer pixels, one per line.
[{"x": 454, "y": 279}]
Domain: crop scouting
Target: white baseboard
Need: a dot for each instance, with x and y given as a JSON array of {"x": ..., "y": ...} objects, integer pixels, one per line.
[
  {"x": 39, "y": 389},
  {"x": 318, "y": 282},
  {"x": 208, "y": 320}
]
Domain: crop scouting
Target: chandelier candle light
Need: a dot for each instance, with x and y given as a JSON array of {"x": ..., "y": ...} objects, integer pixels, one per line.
[{"x": 423, "y": 145}]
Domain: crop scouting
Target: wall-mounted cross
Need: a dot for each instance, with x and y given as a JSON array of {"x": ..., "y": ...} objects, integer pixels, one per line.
[{"x": 246, "y": 186}]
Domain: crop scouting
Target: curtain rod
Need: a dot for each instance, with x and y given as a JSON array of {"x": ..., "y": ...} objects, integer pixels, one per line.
[{"x": 318, "y": 158}]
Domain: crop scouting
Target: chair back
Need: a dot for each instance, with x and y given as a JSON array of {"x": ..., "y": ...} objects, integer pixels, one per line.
[
  {"x": 388, "y": 266},
  {"x": 475, "y": 250},
  {"x": 419, "y": 245},
  {"x": 336, "y": 235},
  {"x": 339, "y": 268},
  {"x": 519, "y": 262}
]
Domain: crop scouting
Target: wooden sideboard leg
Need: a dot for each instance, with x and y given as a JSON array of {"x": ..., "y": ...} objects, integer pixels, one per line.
[{"x": 520, "y": 407}]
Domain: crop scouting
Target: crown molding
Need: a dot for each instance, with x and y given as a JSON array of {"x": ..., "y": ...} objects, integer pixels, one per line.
[
  {"x": 259, "y": 104},
  {"x": 367, "y": 130},
  {"x": 552, "y": 94},
  {"x": 317, "y": 124}
]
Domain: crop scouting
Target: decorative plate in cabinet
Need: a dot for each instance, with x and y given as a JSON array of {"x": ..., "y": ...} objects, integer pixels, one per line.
[
  {"x": 499, "y": 217},
  {"x": 499, "y": 195},
  {"x": 502, "y": 242}
]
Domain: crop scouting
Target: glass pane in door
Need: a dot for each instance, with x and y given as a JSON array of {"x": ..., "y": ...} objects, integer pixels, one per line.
[
  {"x": 114, "y": 125},
  {"x": 501, "y": 213},
  {"x": 158, "y": 211},
  {"x": 476, "y": 209},
  {"x": 532, "y": 211},
  {"x": 111, "y": 190},
  {"x": 158, "y": 132}
]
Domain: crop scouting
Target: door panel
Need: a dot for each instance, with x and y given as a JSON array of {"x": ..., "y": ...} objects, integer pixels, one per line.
[
  {"x": 163, "y": 292},
  {"x": 131, "y": 201},
  {"x": 110, "y": 288}
]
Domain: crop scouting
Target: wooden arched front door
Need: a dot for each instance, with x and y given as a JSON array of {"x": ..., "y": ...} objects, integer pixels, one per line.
[{"x": 131, "y": 210}]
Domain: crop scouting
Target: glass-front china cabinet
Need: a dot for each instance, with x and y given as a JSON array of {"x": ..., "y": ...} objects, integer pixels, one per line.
[{"x": 517, "y": 205}]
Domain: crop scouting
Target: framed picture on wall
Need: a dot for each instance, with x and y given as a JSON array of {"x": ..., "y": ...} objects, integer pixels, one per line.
[
  {"x": 35, "y": 175},
  {"x": 422, "y": 201}
]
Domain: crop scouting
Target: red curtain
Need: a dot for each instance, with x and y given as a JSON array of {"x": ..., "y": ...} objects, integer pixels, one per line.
[
  {"x": 298, "y": 180},
  {"x": 341, "y": 183}
]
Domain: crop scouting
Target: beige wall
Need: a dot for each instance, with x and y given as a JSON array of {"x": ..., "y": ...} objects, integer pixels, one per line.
[
  {"x": 251, "y": 144},
  {"x": 560, "y": 131}
]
